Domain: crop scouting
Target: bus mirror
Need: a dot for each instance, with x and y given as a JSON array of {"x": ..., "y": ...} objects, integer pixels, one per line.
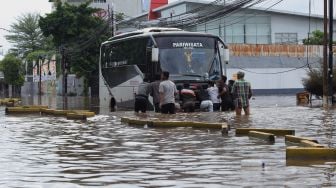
[
  {"x": 225, "y": 54},
  {"x": 155, "y": 54}
]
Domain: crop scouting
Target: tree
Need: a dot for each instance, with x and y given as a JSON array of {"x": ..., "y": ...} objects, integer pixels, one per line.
[
  {"x": 314, "y": 84},
  {"x": 26, "y": 35},
  {"x": 12, "y": 69},
  {"x": 76, "y": 31},
  {"x": 315, "y": 39}
]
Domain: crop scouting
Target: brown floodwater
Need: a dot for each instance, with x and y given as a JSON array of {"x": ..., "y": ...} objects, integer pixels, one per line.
[{"x": 46, "y": 151}]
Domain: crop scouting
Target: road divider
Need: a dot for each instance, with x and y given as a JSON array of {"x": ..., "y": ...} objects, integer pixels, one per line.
[
  {"x": 262, "y": 135},
  {"x": 10, "y": 102},
  {"x": 276, "y": 132},
  {"x": 308, "y": 143},
  {"x": 310, "y": 153},
  {"x": 297, "y": 139},
  {"x": 44, "y": 110},
  {"x": 171, "y": 124}
]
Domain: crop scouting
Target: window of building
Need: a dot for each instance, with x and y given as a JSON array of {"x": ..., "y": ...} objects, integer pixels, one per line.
[
  {"x": 99, "y": 1},
  {"x": 76, "y": 1},
  {"x": 286, "y": 38}
]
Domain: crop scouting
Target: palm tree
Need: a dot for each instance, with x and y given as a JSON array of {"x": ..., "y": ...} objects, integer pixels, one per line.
[{"x": 26, "y": 35}]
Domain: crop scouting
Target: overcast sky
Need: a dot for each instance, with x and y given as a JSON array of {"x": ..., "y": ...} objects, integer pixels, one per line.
[{"x": 12, "y": 9}]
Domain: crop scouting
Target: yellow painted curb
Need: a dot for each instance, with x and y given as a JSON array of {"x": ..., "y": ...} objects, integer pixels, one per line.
[
  {"x": 133, "y": 121},
  {"x": 35, "y": 106},
  {"x": 9, "y": 104},
  {"x": 276, "y": 132},
  {"x": 171, "y": 124},
  {"x": 308, "y": 143},
  {"x": 310, "y": 153},
  {"x": 86, "y": 113},
  {"x": 137, "y": 122},
  {"x": 262, "y": 135},
  {"x": 62, "y": 112},
  {"x": 20, "y": 110},
  {"x": 75, "y": 116},
  {"x": 124, "y": 119},
  {"x": 47, "y": 111},
  {"x": 209, "y": 125},
  {"x": 297, "y": 139}
]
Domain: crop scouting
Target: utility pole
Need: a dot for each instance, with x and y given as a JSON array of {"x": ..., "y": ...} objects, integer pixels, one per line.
[
  {"x": 114, "y": 25},
  {"x": 325, "y": 53},
  {"x": 64, "y": 79},
  {"x": 111, "y": 16},
  {"x": 40, "y": 79},
  {"x": 330, "y": 68}
]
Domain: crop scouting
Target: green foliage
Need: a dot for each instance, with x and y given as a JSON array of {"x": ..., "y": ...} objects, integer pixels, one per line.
[
  {"x": 314, "y": 82},
  {"x": 119, "y": 17},
  {"x": 75, "y": 30},
  {"x": 315, "y": 39},
  {"x": 26, "y": 35},
  {"x": 12, "y": 69}
]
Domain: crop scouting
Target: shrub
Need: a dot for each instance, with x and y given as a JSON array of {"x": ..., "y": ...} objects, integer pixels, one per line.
[{"x": 314, "y": 82}]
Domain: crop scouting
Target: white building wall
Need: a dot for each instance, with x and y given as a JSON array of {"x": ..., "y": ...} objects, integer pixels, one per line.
[
  {"x": 272, "y": 78},
  {"x": 128, "y": 7},
  {"x": 282, "y": 23},
  {"x": 174, "y": 11}
]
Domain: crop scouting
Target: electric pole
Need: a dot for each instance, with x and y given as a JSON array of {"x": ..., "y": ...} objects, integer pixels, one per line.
[
  {"x": 330, "y": 67},
  {"x": 111, "y": 17},
  {"x": 325, "y": 53},
  {"x": 64, "y": 79}
]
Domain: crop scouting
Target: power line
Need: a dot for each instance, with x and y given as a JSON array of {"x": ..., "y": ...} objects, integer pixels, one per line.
[{"x": 270, "y": 73}]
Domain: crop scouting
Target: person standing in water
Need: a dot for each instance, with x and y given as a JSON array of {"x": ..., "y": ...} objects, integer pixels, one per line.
[
  {"x": 241, "y": 91},
  {"x": 167, "y": 90}
]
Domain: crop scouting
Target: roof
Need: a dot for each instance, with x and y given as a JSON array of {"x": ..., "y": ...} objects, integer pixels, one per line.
[
  {"x": 156, "y": 31},
  {"x": 170, "y": 5}
]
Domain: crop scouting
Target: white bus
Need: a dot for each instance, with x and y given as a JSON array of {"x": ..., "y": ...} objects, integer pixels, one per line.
[{"x": 126, "y": 59}]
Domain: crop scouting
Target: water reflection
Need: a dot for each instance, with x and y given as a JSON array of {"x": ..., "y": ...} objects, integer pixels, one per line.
[{"x": 52, "y": 151}]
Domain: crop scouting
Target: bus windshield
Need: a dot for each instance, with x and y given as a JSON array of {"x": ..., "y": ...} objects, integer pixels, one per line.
[{"x": 189, "y": 56}]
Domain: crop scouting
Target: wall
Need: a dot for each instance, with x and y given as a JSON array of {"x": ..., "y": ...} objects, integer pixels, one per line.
[
  {"x": 271, "y": 79},
  {"x": 176, "y": 10},
  {"x": 293, "y": 24}
]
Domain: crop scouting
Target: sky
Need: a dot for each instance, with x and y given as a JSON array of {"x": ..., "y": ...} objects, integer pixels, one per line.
[{"x": 13, "y": 9}]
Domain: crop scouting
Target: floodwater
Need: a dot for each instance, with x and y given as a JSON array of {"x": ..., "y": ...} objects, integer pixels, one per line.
[{"x": 38, "y": 151}]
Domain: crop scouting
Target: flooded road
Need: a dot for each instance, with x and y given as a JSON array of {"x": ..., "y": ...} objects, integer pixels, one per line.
[{"x": 39, "y": 151}]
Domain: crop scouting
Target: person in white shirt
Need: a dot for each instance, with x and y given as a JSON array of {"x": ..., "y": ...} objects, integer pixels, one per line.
[
  {"x": 167, "y": 90},
  {"x": 213, "y": 92}
]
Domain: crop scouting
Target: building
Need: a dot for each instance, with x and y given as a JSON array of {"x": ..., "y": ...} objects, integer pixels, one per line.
[
  {"x": 138, "y": 6},
  {"x": 248, "y": 26},
  {"x": 263, "y": 42}
]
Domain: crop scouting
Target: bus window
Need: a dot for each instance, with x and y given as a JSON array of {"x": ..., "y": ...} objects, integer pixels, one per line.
[
  {"x": 126, "y": 53},
  {"x": 189, "y": 56}
]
